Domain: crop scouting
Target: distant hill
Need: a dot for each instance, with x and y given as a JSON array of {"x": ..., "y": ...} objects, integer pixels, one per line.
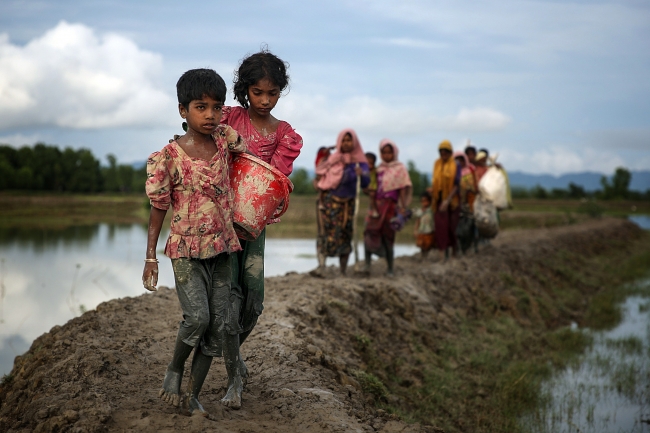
[{"x": 590, "y": 181}]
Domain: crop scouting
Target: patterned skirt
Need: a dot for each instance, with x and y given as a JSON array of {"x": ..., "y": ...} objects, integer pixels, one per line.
[{"x": 335, "y": 217}]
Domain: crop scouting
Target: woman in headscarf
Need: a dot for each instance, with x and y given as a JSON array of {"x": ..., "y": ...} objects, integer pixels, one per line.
[
  {"x": 394, "y": 189},
  {"x": 336, "y": 177},
  {"x": 468, "y": 188},
  {"x": 444, "y": 192}
]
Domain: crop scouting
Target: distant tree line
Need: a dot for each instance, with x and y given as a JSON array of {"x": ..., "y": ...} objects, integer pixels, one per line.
[
  {"x": 47, "y": 168},
  {"x": 616, "y": 188}
]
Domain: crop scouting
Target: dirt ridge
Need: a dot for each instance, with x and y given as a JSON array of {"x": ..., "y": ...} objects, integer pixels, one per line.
[{"x": 102, "y": 371}]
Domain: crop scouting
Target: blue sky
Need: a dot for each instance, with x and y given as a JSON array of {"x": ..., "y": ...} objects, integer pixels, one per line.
[{"x": 553, "y": 87}]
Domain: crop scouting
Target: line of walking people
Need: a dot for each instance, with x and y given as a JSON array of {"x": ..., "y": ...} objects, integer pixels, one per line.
[{"x": 444, "y": 220}]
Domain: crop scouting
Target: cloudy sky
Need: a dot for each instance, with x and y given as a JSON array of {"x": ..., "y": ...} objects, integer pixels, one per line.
[{"x": 553, "y": 87}]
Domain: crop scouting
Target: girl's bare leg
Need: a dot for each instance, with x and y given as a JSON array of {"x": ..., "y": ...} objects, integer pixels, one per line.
[
  {"x": 200, "y": 366},
  {"x": 231, "y": 358}
]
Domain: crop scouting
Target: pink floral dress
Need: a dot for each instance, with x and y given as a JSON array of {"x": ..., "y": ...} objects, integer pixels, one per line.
[
  {"x": 279, "y": 148},
  {"x": 199, "y": 193}
]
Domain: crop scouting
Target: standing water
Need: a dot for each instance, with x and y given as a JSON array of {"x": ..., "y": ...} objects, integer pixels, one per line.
[
  {"x": 609, "y": 391},
  {"x": 49, "y": 277}
]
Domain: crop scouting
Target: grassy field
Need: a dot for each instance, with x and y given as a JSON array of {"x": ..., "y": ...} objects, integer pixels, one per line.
[{"x": 54, "y": 211}]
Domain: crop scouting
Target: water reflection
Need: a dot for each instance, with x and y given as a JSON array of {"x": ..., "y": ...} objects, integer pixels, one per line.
[
  {"x": 609, "y": 391},
  {"x": 642, "y": 221},
  {"x": 49, "y": 276}
]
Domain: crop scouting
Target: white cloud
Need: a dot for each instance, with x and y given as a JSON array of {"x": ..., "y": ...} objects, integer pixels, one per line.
[
  {"x": 71, "y": 77},
  {"x": 558, "y": 160},
  {"x": 318, "y": 113}
]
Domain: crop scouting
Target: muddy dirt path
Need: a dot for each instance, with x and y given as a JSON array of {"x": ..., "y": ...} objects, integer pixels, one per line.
[{"x": 102, "y": 371}]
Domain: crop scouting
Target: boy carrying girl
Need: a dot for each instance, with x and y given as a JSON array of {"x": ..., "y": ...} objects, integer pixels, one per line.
[{"x": 191, "y": 175}]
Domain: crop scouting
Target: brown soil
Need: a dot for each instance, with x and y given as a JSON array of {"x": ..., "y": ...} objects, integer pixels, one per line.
[{"x": 102, "y": 371}]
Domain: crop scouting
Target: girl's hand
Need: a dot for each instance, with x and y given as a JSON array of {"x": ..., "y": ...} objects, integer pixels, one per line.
[
  {"x": 444, "y": 205},
  {"x": 358, "y": 170},
  {"x": 150, "y": 276}
]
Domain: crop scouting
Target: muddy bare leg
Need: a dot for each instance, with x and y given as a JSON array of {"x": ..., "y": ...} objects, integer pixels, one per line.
[
  {"x": 232, "y": 359},
  {"x": 390, "y": 258},
  {"x": 200, "y": 367},
  {"x": 171, "y": 388},
  {"x": 343, "y": 262}
]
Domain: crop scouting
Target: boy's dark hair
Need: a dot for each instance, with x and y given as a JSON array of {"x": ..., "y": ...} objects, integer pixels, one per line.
[
  {"x": 195, "y": 83},
  {"x": 487, "y": 152},
  {"x": 470, "y": 149},
  {"x": 256, "y": 67},
  {"x": 426, "y": 194},
  {"x": 370, "y": 155}
]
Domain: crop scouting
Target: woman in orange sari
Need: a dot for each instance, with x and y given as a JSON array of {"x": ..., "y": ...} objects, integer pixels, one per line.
[{"x": 446, "y": 203}]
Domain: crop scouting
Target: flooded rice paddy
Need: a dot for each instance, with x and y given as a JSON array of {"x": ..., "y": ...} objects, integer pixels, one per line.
[{"x": 608, "y": 388}]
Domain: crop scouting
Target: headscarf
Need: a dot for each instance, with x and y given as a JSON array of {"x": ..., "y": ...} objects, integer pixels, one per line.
[
  {"x": 395, "y": 175},
  {"x": 331, "y": 170},
  {"x": 469, "y": 168},
  {"x": 444, "y": 175}
]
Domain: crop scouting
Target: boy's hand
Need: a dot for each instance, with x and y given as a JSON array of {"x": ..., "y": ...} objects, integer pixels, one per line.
[{"x": 150, "y": 276}]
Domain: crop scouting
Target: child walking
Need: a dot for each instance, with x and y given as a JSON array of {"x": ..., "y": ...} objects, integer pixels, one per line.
[
  {"x": 191, "y": 175},
  {"x": 371, "y": 190},
  {"x": 394, "y": 189},
  {"x": 424, "y": 226},
  {"x": 258, "y": 85}
]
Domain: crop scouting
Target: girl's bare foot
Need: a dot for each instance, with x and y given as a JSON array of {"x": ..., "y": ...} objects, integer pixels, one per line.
[
  {"x": 232, "y": 399},
  {"x": 171, "y": 389}
]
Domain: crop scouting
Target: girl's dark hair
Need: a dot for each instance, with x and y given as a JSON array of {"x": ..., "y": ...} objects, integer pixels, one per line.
[
  {"x": 470, "y": 149},
  {"x": 426, "y": 194},
  {"x": 195, "y": 83},
  {"x": 371, "y": 155},
  {"x": 256, "y": 67}
]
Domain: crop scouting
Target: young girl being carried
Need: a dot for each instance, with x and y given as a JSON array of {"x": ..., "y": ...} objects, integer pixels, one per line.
[
  {"x": 258, "y": 84},
  {"x": 191, "y": 175},
  {"x": 394, "y": 189}
]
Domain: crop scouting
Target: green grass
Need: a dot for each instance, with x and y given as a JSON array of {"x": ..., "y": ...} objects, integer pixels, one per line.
[{"x": 484, "y": 377}]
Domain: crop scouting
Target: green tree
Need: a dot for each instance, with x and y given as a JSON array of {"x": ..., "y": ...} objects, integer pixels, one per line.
[
  {"x": 419, "y": 180},
  {"x": 538, "y": 192},
  {"x": 302, "y": 183},
  {"x": 576, "y": 191},
  {"x": 619, "y": 186}
]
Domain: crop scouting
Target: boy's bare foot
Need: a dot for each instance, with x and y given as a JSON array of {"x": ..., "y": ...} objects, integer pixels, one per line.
[
  {"x": 232, "y": 399},
  {"x": 171, "y": 389},
  {"x": 194, "y": 407}
]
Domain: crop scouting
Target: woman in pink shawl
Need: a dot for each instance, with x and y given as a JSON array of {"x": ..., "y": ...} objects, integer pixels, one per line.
[
  {"x": 394, "y": 189},
  {"x": 336, "y": 177}
]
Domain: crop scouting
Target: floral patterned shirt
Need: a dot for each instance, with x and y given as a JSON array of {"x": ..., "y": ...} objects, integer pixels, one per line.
[{"x": 199, "y": 194}]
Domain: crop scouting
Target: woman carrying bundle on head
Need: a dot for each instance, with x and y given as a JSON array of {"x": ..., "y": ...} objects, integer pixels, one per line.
[
  {"x": 394, "y": 189},
  {"x": 336, "y": 177}
]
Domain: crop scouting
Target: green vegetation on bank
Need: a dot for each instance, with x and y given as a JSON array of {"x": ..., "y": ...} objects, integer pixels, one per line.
[{"x": 488, "y": 374}]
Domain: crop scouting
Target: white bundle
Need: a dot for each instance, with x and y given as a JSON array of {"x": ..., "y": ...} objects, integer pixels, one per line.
[
  {"x": 493, "y": 186},
  {"x": 485, "y": 215}
]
